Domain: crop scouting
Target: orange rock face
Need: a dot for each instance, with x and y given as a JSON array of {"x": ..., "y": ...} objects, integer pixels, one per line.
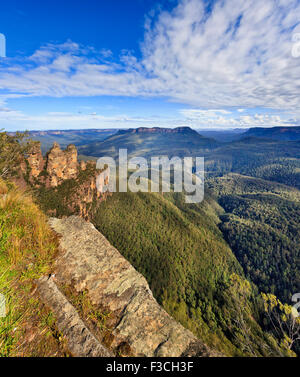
[
  {"x": 35, "y": 161},
  {"x": 61, "y": 165}
]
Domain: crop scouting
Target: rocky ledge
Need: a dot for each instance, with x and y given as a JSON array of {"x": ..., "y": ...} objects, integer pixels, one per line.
[{"x": 91, "y": 264}]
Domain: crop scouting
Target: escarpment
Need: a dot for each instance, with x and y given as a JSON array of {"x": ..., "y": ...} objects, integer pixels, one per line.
[
  {"x": 63, "y": 185},
  {"x": 35, "y": 161},
  {"x": 61, "y": 165},
  {"x": 102, "y": 305},
  {"x": 136, "y": 324},
  {"x": 56, "y": 167}
]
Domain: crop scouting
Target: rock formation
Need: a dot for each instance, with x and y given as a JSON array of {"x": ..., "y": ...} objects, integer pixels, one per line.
[
  {"x": 89, "y": 263},
  {"x": 35, "y": 161},
  {"x": 61, "y": 165},
  {"x": 82, "y": 165},
  {"x": 159, "y": 130}
]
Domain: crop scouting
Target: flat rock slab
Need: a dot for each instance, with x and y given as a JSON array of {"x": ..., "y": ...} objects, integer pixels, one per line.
[
  {"x": 81, "y": 342},
  {"x": 90, "y": 263}
]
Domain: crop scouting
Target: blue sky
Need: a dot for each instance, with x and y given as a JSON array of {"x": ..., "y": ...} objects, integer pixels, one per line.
[{"x": 119, "y": 64}]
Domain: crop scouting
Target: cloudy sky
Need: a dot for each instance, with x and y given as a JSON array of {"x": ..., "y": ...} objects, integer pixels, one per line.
[{"x": 119, "y": 64}]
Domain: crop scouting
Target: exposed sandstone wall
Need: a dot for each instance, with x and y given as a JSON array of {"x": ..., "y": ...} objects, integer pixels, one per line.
[
  {"x": 61, "y": 165},
  {"x": 91, "y": 264},
  {"x": 36, "y": 161},
  {"x": 85, "y": 195}
]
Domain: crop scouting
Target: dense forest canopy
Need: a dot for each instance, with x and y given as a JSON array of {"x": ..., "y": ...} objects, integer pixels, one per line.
[{"x": 209, "y": 263}]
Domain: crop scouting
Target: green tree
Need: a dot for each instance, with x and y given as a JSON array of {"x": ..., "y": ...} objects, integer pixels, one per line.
[
  {"x": 13, "y": 147},
  {"x": 285, "y": 325}
]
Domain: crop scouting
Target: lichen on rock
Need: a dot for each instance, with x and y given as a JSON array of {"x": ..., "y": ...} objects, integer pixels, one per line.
[{"x": 90, "y": 263}]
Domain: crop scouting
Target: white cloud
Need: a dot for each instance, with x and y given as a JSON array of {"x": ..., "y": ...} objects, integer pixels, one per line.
[
  {"x": 196, "y": 114},
  {"x": 206, "y": 60},
  {"x": 239, "y": 55},
  {"x": 198, "y": 118},
  {"x": 13, "y": 120}
]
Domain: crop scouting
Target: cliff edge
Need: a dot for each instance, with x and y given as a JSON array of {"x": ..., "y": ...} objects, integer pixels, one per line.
[{"x": 137, "y": 324}]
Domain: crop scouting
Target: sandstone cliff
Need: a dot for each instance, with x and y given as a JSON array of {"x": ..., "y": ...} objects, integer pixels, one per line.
[
  {"x": 35, "y": 161},
  {"x": 102, "y": 305},
  {"x": 59, "y": 178},
  {"x": 61, "y": 165},
  {"x": 136, "y": 325},
  {"x": 58, "y": 165}
]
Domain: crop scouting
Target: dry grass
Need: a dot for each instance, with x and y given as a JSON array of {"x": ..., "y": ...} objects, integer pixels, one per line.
[
  {"x": 99, "y": 320},
  {"x": 26, "y": 228},
  {"x": 27, "y": 250},
  {"x": 3, "y": 187}
]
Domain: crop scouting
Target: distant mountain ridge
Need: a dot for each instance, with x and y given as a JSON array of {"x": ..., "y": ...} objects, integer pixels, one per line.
[
  {"x": 159, "y": 130},
  {"x": 146, "y": 142},
  {"x": 66, "y": 137},
  {"x": 275, "y": 133}
]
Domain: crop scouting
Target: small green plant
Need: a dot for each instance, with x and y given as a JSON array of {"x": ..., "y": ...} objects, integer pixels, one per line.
[
  {"x": 283, "y": 324},
  {"x": 97, "y": 318},
  {"x": 13, "y": 147}
]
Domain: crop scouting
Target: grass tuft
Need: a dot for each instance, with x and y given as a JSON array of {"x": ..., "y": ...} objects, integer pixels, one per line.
[{"x": 27, "y": 250}]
